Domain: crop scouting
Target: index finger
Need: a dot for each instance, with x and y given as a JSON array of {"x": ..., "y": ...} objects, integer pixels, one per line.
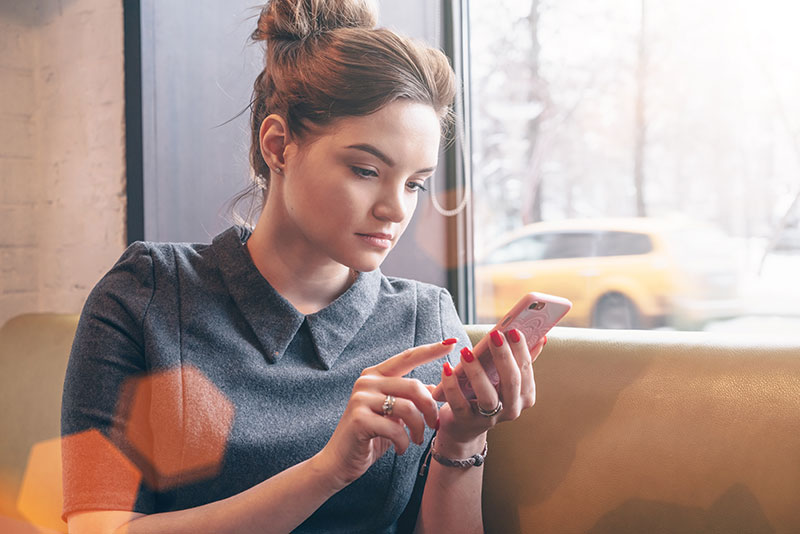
[{"x": 405, "y": 362}]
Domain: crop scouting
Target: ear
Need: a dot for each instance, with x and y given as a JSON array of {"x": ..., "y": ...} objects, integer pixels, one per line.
[{"x": 274, "y": 137}]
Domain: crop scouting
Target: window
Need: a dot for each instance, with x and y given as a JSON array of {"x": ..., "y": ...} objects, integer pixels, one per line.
[
  {"x": 649, "y": 150},
  {"x": 623, "y": 244},
  {"x": 524, "y": 249},
  {"x": 570, "y": 245}
]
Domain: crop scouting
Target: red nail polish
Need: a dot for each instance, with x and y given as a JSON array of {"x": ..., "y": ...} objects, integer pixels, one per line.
[
  {"x": 467, "y": 355},
  {"x": 437, "y": 424},
  {"x": 545, "y": 341},
  {"x": 513, "y": 335},
  {"x": 449, "y": 341},
  {"x": 448, "y": 371},
  {"x": 497, "y": 339}
]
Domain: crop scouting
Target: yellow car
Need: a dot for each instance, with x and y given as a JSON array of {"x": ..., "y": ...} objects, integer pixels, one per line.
[{"x": 618, "y": 273}]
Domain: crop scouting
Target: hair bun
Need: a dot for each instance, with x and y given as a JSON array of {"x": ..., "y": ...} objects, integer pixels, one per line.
[{"x": 292, "y": 20}]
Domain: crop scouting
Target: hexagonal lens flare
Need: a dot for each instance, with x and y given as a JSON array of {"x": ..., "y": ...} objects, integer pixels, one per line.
[{"x": 178, "y": 422}]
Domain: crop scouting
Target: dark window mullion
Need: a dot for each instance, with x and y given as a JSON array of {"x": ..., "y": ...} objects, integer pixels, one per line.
[
  {"x": 134, "y": 182},
  {"x": 460, "y": 276}
]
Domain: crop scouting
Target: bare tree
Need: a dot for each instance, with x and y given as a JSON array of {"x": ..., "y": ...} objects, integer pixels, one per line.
[
  {"x": 641, "y": 121},
  {"x": 532, "y": 202}
]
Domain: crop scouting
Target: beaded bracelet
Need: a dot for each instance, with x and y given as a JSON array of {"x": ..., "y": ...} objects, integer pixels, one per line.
[{"x": 476, "y": 460}]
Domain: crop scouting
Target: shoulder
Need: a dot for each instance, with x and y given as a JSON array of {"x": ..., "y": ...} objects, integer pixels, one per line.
[
  {"x": 141, "y": 253},
  {"x": 167, "y": 253},
  {"x": 435, "y": 315},
  {"x": 143, "y": 267},
  {"x": 151, "y": 259},
  {"x": 421, "y": 293},
  {"x": 428, "y": 299}
]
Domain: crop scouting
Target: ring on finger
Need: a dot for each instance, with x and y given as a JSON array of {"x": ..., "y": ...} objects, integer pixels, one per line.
[
  {"x": 388, "y": 405},
  {"x": 491, "y": 413}
]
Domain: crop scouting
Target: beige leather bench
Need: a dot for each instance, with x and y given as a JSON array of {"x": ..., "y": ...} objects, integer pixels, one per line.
[
  {"x": 650, "y": 432},
  {"x": 633, "y": 432},
  {"x": 34, "y": 350}
]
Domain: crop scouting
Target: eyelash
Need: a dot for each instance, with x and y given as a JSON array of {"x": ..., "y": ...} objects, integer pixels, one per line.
[
  {"x": 367, "y": 173},
  {"x": 364, "y": 173}
]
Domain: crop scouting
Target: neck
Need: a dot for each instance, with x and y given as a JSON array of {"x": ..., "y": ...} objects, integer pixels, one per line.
[{"x": 308, "y": 282}]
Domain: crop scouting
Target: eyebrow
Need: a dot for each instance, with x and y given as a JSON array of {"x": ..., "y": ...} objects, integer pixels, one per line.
[{"x": 370, "y": 149}]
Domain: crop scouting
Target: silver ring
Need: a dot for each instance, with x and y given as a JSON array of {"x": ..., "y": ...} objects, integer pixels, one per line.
[
  {"x": 493, "y": 412},
  {"x": 388, "y": 405}
]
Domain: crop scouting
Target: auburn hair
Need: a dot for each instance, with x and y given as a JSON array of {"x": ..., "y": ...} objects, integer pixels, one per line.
[{"x": 324, "y": 60}]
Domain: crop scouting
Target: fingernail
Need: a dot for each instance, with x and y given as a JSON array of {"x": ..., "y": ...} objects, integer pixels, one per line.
[
  {"x": 467, "y": 354},
  {"x": 448, "y": 371},
  {"x": 545, "y": 341},
  {"x": 449, "y": 341},
  {"x": 513, "y": 334},
  {"x": 497, "y": 339},
  {"x": 437, "y": 424}
]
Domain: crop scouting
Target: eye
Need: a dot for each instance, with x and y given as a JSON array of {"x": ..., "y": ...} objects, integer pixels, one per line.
[
  {"x": 363, "y": 173},
  {"x": 416, "y": 186}
]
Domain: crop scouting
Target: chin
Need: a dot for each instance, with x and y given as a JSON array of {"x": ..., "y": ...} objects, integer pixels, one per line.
[{"x": 365, "y": 265}]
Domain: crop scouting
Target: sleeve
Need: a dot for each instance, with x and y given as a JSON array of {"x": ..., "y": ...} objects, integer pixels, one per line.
[{"x": 98, "y": 472}]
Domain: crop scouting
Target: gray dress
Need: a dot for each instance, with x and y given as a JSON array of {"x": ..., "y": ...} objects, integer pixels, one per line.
[{"x": 191, "y": 380}]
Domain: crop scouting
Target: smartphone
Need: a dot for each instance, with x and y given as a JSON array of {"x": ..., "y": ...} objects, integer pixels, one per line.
[{"x": 533, "y": 315}]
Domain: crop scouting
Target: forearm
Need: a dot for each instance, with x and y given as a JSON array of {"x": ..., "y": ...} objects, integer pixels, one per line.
[
  {"x": 279, "y": 504},
  {"x": 451, "y": 501}
]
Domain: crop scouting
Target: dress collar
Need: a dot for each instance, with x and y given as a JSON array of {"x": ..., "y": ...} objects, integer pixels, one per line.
[{"x": 274, "y": 320}]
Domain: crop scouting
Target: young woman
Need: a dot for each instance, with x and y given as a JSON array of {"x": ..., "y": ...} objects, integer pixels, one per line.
[{"x": 274, "y": 380}]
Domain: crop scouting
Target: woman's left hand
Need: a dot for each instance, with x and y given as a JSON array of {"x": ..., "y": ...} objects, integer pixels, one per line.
[{"x": 460, "y": 421}]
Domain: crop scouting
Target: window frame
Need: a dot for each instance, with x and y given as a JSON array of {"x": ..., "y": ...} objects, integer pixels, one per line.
[{"x": 458, "y": 162}]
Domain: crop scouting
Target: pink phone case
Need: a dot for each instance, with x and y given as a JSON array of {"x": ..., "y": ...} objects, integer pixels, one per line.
[{"x": 534, "y": 315}]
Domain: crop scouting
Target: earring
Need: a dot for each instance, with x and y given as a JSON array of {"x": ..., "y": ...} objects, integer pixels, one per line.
[{"x": 276, "y": 170}]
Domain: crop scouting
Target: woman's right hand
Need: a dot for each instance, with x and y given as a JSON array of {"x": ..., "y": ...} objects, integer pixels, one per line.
[{"x": 364, "y": 434}]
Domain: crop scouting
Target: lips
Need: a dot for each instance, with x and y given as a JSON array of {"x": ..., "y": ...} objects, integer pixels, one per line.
[
  {"x": 378, "y": 240},
  {"x": 379, "y": 236}
]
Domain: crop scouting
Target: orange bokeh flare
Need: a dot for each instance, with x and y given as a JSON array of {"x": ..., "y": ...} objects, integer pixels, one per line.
[
  {"x": 178, "y": 423},
  {"x": 94, "y": 468}
]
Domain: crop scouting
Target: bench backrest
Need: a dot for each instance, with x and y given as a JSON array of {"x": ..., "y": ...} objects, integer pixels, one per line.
[
  {"x": 34, "y": 349},
  {"x": 651, "y": 432}
]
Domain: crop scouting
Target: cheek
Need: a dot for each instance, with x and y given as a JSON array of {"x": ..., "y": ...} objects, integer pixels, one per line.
[
  {"x": 411, "y": 207},
  {"x": 333, "y": 206}
]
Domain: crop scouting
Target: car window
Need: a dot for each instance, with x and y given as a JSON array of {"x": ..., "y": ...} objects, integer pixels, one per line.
[
  {"x": 528, "y": 248},
  {"x": 570, "y": 245},
  {"x": 623, "y": 244}
]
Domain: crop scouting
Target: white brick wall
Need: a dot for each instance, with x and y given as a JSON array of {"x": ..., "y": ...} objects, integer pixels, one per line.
[
  {"x": 62, "y": 172},
  {"x": 19, "y": 279}
]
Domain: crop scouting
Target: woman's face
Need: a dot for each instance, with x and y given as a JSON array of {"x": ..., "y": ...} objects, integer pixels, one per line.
[{"x": 350, "y": 191}]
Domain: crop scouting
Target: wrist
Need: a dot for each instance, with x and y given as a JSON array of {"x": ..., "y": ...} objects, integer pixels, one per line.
[
  {"x": 476, "y": 460},
  {"x": 451, "y": 448},
  {"x": 325, "y": 475}
]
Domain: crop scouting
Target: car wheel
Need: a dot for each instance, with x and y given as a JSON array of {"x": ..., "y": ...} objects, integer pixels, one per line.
[{"x": 615, "y": 310}]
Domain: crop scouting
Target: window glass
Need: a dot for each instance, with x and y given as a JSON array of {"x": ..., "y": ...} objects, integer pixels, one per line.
[
  {"x": 570, "y": 245},
  {"x": 653, "y": 145},
  {"x": 623, "y": 244},
  {"x": 529, "y": 248}
]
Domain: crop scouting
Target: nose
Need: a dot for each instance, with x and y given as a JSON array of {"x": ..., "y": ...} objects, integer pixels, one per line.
[{"x": 394, "y": 204}]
